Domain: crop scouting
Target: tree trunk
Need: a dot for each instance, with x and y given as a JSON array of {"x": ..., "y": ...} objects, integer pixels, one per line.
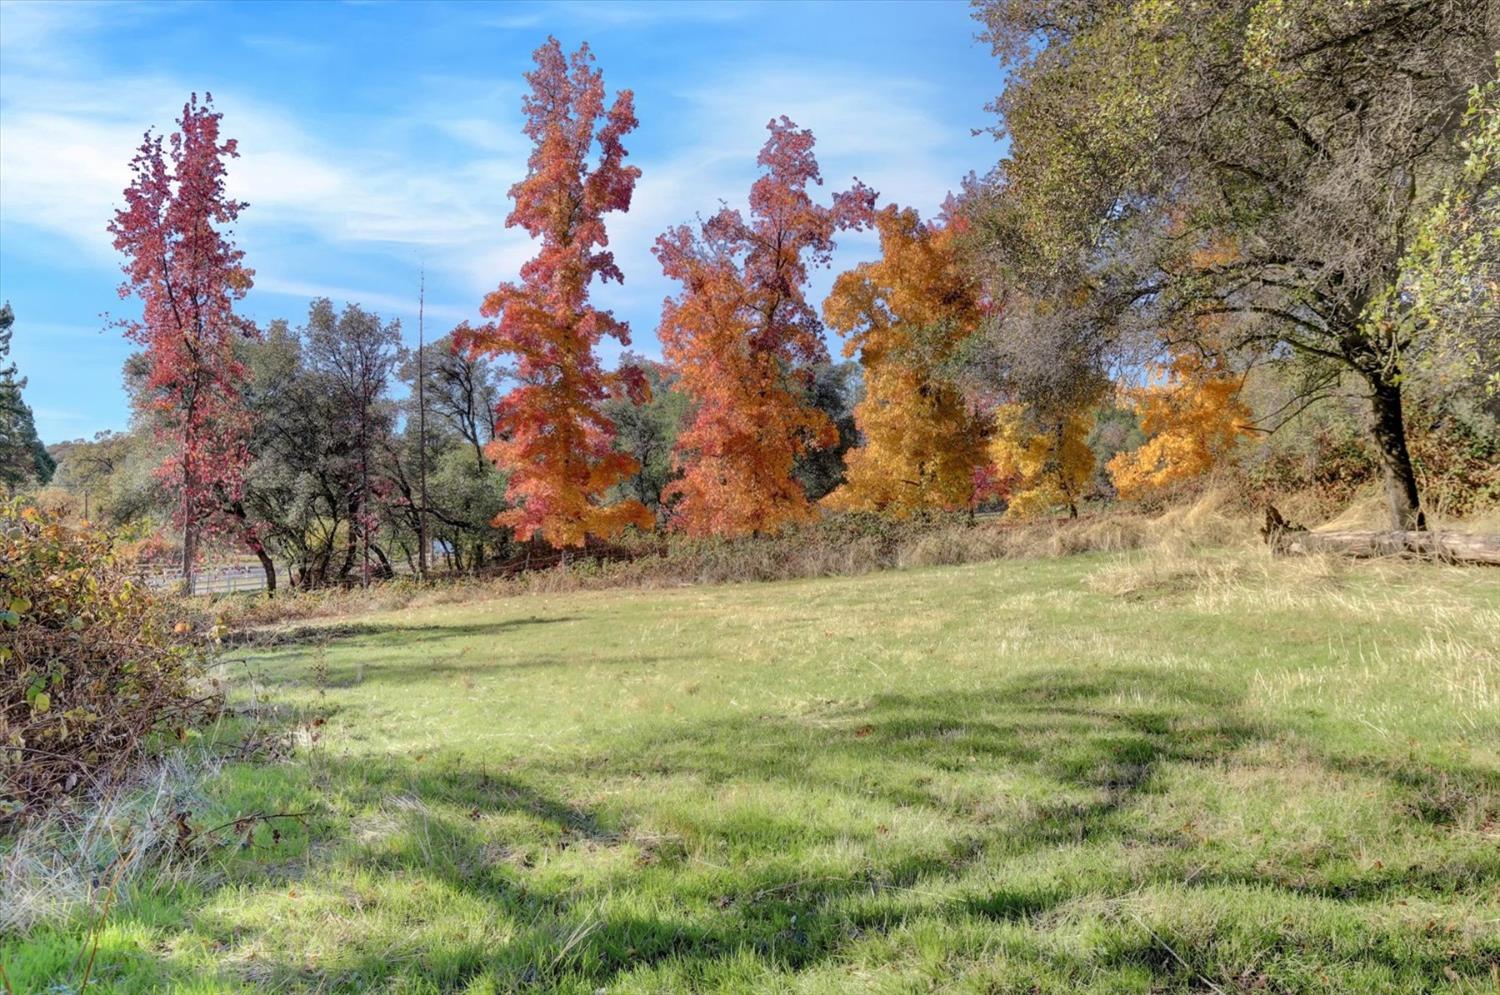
[
  {"x": 237, "y": 509},
  {"x": 1447, "y": 547},
  {"x": 269, "y": 566},
  {"x": 385, "y": 571},
  {"x": 321, "y": 562},
  {"x": 351, "y": 539},
  {"x": 189, "y": 530},
  {"x": 189, "y": 553},
  {"x": 1390, "y": 437}
]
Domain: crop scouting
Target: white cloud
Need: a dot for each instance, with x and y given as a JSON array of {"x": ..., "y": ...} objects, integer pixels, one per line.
[
  {"x": 512, "y": 22},
  {"x": 66, "y": 137},
  {"x": 872, "y": 125},
  {"x": 597, "y": 12},
  {"x": 30, "y": 33},
  {"x": 64, "y": 162},
  {"x": 62, "y": 174},
  {"x": 285, "y": 47}
]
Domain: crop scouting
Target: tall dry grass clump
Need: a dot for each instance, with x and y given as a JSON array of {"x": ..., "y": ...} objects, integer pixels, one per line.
[
  {"x": 55, "y": 868},
  {"x": 1176, "y": 548}
]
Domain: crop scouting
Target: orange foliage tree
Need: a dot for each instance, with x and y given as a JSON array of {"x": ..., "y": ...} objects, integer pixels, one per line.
[
  {"x": 743, "y": 338},
  {"x": 1046, "y": 458},
  {"x": 552, "y": 435},
  {"x": 906, "y": 315},
  {"x": 1192, "y": 418}
]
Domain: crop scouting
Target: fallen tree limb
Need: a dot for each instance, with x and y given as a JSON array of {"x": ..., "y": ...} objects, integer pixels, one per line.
[{"x": 1447, "y": 547}]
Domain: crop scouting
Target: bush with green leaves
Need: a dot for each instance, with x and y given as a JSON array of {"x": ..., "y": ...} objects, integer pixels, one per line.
[{"x": 94, "y": 666}]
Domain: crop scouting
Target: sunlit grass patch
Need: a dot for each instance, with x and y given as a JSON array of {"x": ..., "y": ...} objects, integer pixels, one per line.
[{"x": 1239, "y": 774}]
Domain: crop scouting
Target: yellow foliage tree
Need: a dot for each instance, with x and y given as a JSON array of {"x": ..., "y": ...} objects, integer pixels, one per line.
[
  {"x": 905, "y": 315},
  {"x": 1047, "y": 460},
  {"x": 1192, "y": 418}
]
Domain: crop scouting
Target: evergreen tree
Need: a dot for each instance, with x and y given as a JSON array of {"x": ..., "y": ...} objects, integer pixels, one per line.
[{"x": 23, "y": 458}]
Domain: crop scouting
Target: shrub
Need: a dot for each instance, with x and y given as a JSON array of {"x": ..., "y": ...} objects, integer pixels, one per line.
[
  {"x": 92, "y": 663},
  {"x": 1458, "y": 464}
]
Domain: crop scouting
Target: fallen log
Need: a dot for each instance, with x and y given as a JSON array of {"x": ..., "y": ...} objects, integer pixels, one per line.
[{"x": 1447, "y": 547}]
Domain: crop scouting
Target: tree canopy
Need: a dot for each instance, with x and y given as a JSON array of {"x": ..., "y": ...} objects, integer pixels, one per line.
[{"x": 1259, "y": 159}]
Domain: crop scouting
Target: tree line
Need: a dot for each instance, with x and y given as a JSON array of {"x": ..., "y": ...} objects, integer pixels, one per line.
[{"x": 1213, "y": 221}]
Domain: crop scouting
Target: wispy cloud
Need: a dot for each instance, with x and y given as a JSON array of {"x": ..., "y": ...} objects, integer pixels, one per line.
[
  {"x": 639, "y": 14},
  {"x": 378, "y": 300},
  {"x": 67, "y": 142},
  {"x": 876, "y": 126},
  {"x": 63, "y": 170},
  {"x": 512, "y": 22},
  {"x": 350, "y": 195},
  {"x": 284, "y": 46},
  {"x": 30, "y": 32}
]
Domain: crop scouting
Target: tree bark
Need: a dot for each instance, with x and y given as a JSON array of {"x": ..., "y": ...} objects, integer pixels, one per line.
[
  {"x": 1390, "y": 437},
  {"x": 351, "y": 539},
  {"x": 1448, "y": 547},
  {"x": 269, "y": 566},
  {"x": 237, "y": 509},
  {"x": 189, "y": 527},
  {"x": 321, "y": 562},
  {"x": 189, "y": 554},
  {"x": 385, "y": 571}
]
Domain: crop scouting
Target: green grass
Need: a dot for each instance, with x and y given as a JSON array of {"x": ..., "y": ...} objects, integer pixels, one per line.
[{"x": 1090, "y": 774}]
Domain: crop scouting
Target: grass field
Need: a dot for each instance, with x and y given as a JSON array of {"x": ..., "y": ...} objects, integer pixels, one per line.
[{"x": 1098, "y": 773}]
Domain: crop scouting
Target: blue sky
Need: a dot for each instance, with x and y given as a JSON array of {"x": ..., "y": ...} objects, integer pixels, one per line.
[{"x": 378, "y": 138}]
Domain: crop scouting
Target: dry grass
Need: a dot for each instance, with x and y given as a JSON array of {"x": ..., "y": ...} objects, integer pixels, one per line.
[
  {"x": 1169, "y": 544},
  {"x": 104, "y": 843},
  {"x": 1367, "y": 511},
  {"x": 810, "y": 553}
]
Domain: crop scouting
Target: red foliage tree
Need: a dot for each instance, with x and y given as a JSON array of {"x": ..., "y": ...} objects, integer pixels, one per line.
[
  {"x": 181, "y": 261},
  {"x": 743, "y": 337},
  {"x": 552, "y": 434}
]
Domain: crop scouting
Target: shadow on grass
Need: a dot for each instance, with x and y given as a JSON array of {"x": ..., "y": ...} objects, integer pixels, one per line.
[
  {"x": 389, "y": 633},
  {"x": 458, "y": 667},
  {"x": 1090, "y": 744}
]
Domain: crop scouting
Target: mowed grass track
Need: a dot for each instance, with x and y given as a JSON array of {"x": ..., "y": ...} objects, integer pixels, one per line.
[{"x": 1091, "y": 774}]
